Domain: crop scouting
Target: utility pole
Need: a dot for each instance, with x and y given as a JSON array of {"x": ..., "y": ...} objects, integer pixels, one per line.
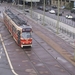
[
  {"x": 31, "y": 8},
  {"x": 23, "y": 4},
  {"x": 44, "y": 12},
  {"x": 74, "y": 54},
  {"x": 18, "y": 3},
  {"x": 57, "y": 26}
]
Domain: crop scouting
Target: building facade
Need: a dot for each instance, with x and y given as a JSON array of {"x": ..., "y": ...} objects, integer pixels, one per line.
[
  {"x": 55, "y": 2},
  {"x": 66, "y": 3}
]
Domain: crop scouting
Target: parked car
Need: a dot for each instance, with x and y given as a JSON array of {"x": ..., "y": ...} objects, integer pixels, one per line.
[
  {"x": 69, "y": 16},
  {"x": 47, "y": 9},
  {"x": 40, "y": 7},
  {"x": 60, "y": 13},
  {"x": 52, "y": 11},
  {"x": 63, "y": 7},
  {"x": 73, "y": 19},
  {"x": 54, "y": 7},
  {"x": 26, "y": 10},
  {"x": 72, "y": 10}
]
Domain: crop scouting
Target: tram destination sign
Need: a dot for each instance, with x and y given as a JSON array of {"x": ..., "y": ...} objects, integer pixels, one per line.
[{"x": 26, "y": 29}]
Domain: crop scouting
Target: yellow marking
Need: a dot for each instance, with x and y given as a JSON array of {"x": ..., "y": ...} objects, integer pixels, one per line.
[
  {"x": 55, "y": 46},
  {"x": 57, "y": 65},
  {"x": 62, "y": 70}
]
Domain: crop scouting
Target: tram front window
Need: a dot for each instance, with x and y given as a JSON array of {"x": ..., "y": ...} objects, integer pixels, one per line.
[{"x": 26, "y": 35}]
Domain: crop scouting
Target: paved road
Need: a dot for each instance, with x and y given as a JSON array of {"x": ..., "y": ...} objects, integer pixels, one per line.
[
  {"x": 16, "y": 52},
  {"x": 62, "y": 18},
  {"x": 4, "y": 64},
  {"x": 44, "y": 38},
  {"x": 66, "y": 33}
]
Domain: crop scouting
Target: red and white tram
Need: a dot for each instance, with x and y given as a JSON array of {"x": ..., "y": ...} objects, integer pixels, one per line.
[{"x": 21, "y": 32}]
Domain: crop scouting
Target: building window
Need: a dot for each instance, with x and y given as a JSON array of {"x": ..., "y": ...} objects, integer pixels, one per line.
[
  {"x": 63, "y": 0},
  {"x": 67, "y": 0}
]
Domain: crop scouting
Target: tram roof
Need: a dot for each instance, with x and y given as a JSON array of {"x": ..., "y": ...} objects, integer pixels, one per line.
[{"x": 17, "y": 20}]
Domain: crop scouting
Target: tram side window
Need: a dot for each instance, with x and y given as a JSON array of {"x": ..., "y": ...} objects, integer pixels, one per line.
[
  {"x": 10, "y": 24},
  {"x": 7, "y": 19},
  {"x": 18, "y": 34},
  {"x": 14, "y": 29}
]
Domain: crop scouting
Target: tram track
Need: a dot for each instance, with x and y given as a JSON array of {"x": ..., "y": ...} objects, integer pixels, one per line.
[
  {"x": 56, "y": 60},
  {"x": 63, "y": 45},
  {"x": 33, "y": 63},
  {"x": 27, "y": 52},
  {"x": 43, "y": 58},
  {"x": 37, "y": 62}
]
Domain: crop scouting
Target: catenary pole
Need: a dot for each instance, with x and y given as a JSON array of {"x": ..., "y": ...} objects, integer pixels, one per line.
[
  {"x": 44, "y": 13},
  {"x": 23, "y": 4},
  {"x": 31, "y": 8},
  {"x": 18, "y": 3},
  {"x": 57, "y": 26}
]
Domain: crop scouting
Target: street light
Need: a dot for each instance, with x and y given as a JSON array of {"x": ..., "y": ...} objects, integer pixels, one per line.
[
  {"x": 31, "y": 8},
  {"x": 43, "y": 12},
  {"x": 74, "y": 54},
  {"x": 57, "y": 26},
  {"x": 18, "y": 3},
  {"x": 23, "y": 4}
]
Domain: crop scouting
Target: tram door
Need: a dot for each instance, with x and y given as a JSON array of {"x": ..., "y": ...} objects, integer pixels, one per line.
[{"x": 19, "y": 37}]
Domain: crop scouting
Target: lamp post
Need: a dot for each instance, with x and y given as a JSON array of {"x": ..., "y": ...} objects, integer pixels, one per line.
[
  {"x": 43, "y": 12},
  {"x": 74, "y": 54},
  {"x": 57, "y": 26},
  {"x": 23, "y": 4},
  {"x": 31, "y": 8},
  {"x": 18, "y": 3}
]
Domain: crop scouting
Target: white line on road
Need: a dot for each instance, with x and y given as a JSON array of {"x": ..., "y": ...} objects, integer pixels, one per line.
[{"x": 7, "y": 56}]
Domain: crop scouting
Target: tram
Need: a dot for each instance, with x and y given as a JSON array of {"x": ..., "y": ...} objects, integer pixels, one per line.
[{"x": 21, "y": 32}]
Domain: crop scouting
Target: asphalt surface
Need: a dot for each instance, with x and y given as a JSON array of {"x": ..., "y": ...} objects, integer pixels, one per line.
[
  {"x": 4, "y": 64},
  {"x": 16, "y": 52}
]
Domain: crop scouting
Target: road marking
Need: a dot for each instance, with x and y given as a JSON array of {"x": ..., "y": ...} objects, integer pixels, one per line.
[
  {"x": 7, "y": 56},
  {"x": 1, "y": 15},
  {"x": 0, "y": 52}
]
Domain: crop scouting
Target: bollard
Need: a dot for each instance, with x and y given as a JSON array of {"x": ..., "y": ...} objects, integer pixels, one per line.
[
  {"x": 67, "y": 32},
  {"x": 62, "y": 30},
  {"x": 70, "y": 34}
]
